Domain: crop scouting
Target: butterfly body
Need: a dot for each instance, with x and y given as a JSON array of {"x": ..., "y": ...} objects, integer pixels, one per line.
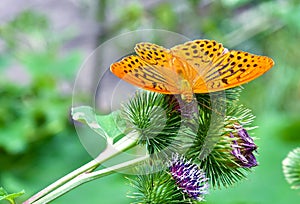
[
  {"x": 186, "y": 91},
  {"x": 184, "y": 80},
  {"x": 199, "y": 66}
]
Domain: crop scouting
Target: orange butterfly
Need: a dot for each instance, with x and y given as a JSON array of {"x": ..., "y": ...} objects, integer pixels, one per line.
[{"x": 199, "y": 66}]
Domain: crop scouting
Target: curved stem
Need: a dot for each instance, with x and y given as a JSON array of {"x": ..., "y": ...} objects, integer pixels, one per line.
[
  {"x": 91, "y": 165},
  {"x": 88, "y": 177},
  {"x": 123, "y": 144}
]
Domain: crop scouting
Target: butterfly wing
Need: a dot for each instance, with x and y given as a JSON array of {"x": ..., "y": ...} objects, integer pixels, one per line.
[
  {"x": 218, "y": 68},
  {"x": 175, "y": 70},
  {"x": 164, "y": 58},
  {"x": 154, "y": 54},
  {"x": 136, "y": 71},
  {"x": 235, "y": 69},
  {"x": 200, "y": 55},
  {"x": 205, "y": 64}
]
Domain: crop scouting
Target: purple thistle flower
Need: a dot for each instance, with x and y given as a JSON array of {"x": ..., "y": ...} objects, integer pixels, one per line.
[
  {"x": 189, "y": 177},
  {"x": 243, "y": 148}
]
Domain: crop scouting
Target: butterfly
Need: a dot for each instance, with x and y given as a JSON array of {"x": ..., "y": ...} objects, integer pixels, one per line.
[{"x": 199, "y": 66}]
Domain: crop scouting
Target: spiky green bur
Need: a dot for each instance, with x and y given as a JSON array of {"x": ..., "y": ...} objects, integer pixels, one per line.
[
  {"x": 157, "y": 187},
  {"x": 220, "y": 161},
  {"x": 291, "y": 168},
  {"x": 156, "y": 121},
  {"x": 181, "y": 182}
]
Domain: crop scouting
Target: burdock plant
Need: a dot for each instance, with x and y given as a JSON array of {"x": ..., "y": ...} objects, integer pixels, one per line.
[
  {"x": 189, "y": 148},
  {"x": 180, "y": 146}
]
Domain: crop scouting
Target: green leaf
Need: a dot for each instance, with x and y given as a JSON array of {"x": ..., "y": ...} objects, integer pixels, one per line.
[
  {"x": 9, "y": 197},
  {"x": 113, "y": 125},
  {"x": 109, "y": 126}
]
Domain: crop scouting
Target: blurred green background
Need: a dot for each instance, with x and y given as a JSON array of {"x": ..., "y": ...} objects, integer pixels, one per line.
[{"x": 43, "y": 44}]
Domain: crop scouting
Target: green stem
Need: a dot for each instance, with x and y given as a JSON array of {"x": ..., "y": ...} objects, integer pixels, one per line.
[
  {"x": 88, "y": 177},
  {"x": 111, "y": 150},
  {"x": 92, "y": 164}
]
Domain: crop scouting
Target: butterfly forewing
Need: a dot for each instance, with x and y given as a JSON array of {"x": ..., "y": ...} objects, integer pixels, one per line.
[
  {"x": 236, "y": 68},
  {"x": 165, "y": 60},
  {"x": 175, "y": 70},
  {"x": 154, "y": 54},
  {"x": 200, "y": 54},
  {"x": 136, "y": 71}
]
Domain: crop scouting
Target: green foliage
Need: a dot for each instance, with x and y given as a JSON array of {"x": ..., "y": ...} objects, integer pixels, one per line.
[
  {"x": 165, "y": 16},
  {"x": 290, "y": 131},
  {"x": 132, "y": 15},
  {"x": 10, "y": 197},
  {"x": 48, "y": 62},
  {"x": 33, "y": 111},
  {"x": 34, "y": 99},
  {"x": 25, "y": 116},
  {"x": 28, "y": 39},
  {"x": 26, "y": 23}
]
